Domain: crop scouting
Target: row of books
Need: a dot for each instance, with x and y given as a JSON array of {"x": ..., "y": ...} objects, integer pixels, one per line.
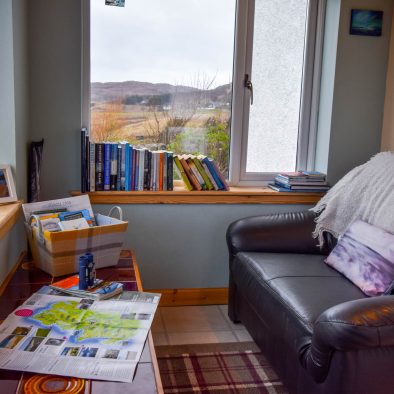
[
  {"x": 200, "y": 173},
  {"x": 300, "y": 181},
  {"x": 123, "y": 167}
]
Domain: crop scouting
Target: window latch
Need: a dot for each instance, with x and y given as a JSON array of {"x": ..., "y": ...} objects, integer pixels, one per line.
[{"x": 249, "y": 85}]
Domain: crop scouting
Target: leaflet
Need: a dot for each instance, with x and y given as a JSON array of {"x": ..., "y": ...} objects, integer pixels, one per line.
[{"x": 63, "y": 335}]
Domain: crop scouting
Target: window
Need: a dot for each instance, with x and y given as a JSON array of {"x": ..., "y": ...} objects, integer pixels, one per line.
[{"x": 181, "y": 75}]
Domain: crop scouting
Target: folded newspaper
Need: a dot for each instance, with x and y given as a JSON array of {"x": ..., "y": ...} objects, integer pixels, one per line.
[
  {"x": 64, "y": 335},
  {"x": 101, "y": 290}
]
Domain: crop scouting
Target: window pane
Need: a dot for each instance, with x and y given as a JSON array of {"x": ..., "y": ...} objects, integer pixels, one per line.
[
  {"x": 278, "y": 50},
  {"x": 161, "y": 74}
]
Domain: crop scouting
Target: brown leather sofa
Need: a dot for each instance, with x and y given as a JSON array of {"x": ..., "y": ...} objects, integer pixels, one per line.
[{"x": 319, "y": 331}]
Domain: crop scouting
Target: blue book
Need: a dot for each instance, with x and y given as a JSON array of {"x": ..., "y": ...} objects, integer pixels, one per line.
[
  {"x": 127, "y": 168},
  {"x": 213, "y": 173},
  {"x": 107, "y": 166},
  {"x": 123, "y": 167}
]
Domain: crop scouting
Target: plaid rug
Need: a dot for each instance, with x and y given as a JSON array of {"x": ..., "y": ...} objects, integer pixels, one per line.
[{"x": 217, "y": 368}]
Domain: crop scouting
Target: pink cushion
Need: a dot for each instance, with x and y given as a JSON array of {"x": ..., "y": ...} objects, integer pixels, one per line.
[{"x": 365, "y": 255}]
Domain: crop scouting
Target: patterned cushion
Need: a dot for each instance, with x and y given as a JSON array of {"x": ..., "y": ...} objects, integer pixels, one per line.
[{"x": 365, "y": 255}]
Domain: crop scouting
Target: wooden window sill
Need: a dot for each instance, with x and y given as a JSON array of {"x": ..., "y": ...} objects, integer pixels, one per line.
[
  {"x": 236, "y": 195},
  {"x": 9, "y": 214}
]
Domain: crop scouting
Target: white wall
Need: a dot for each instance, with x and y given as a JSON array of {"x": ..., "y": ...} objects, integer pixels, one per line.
[
  {"x": 388, "y": 121},
  {"x": 353, "y": 115}
]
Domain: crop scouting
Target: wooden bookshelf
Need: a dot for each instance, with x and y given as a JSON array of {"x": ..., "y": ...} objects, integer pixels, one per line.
[{"x": 236, "y": 195}]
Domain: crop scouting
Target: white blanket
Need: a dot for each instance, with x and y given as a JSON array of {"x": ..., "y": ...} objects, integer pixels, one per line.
[{"x": 366, "y": 193}]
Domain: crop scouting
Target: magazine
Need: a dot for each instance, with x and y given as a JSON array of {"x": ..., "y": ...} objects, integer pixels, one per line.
[{"x": 101, "y": 290}]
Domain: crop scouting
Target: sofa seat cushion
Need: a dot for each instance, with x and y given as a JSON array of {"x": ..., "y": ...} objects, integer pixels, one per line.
[{"x": 290, "y": 291}]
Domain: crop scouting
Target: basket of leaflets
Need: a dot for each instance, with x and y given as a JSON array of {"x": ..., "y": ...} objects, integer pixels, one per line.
[{"x": 60, "y": 231}]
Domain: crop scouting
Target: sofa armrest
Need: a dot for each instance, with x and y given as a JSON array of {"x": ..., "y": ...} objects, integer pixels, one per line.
[
  {"x": 354, "y": 325},
  {"x": 282, "y": 233}
]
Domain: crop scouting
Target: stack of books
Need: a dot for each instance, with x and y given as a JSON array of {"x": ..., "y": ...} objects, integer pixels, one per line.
[
  {"x": 123, "y": 167},
  {"x": 199, "y": 173},
  {"x": 300, "y": 181}
]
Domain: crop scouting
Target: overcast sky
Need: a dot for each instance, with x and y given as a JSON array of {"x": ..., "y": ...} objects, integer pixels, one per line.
[{"x": 168, "y": 41}]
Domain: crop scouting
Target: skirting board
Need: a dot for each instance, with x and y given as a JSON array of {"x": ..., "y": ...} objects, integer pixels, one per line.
[{"x": 183, "y": 297}]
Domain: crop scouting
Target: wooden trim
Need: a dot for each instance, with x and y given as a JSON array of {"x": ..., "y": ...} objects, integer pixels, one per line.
[
  {"x": 9, "y": 215},
  {"x": 236, "y": 195},
  {"x": 159, "y": 384},
  {"x": 202, "y": 296},
  {"x": 9, "y": 276}
]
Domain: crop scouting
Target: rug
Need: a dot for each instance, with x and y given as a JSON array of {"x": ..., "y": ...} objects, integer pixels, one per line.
[{"x": 217, "y": 368}]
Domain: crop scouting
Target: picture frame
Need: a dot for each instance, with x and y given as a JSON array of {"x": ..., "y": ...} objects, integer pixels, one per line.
[
  {"x": 7, "y": 185},
  {"x": 366, "y": 22}
]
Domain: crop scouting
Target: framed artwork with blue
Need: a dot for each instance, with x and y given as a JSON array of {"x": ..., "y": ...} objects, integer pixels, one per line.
[{"x": 366, "y": 23}]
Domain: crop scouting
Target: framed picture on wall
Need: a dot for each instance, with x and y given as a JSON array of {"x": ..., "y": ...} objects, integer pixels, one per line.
[
  {"x": 366, "y": 23},
  {"x": 7, "y": 185}
]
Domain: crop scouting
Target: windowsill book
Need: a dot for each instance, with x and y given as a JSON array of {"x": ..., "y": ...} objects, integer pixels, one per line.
[{"x": 101, "y": 290}]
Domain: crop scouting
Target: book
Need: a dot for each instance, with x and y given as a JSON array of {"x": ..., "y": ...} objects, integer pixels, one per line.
[
  {"x": 141, "y": 174},
  {"x": 123, "y": 166},
  {"x": 107, "y": 167},
  {"x": 160, "y": 171},
  {"x": 195, "y": 171},
  {"x": 127, "y": 186},
  {"x": 131, "y": 167},
  {"x": 193, "y": 180},
  {"x": 84, "y": 161},
  {"x": 118, "y": 166},
  {"x": 92, "y": 167},
  {"x": 279, "y": 188},
  {"x": 165, "y": 163},
  {"x": 99, "y": 154},
  {"x": 113, "y": 166},
  {"x": 170, "y": 171},
  {"x": 179, "y": 168},
  {"x": 146, "y": 169},
  {"x": 101, "y": 290},
  {"x": 215, "y": 186},
  {"x": 303, "y": 187},
  {"x": 220, "y": 175},
  {"x": 212, "y": 170},
  {"x": 202, "y": 172}
]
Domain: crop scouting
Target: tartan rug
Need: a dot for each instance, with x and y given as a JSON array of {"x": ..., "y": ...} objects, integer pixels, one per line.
[{"x": 217, "y": 369}]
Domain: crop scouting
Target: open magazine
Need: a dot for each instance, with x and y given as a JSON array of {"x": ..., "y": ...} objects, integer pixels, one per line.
[
  {"x": 101, "y": 290},
  {"x": 64, "y": 335}
]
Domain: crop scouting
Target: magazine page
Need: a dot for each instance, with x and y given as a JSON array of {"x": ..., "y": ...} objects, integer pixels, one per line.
[
  {"x": 78, "y": 337},
  {"x": 77, "y": 203}
]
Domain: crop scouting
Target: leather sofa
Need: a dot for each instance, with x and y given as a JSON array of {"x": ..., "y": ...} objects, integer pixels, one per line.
[{"x": 321, "y": 333}]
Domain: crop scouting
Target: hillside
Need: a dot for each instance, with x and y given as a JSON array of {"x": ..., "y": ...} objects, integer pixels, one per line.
[{"x": 109, "y": 91}]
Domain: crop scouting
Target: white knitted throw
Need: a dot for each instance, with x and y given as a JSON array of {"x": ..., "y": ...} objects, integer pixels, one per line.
[{"x": 366, "y": 193}]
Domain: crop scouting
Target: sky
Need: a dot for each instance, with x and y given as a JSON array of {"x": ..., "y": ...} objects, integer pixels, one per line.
[{"x": 170, "y": 41}]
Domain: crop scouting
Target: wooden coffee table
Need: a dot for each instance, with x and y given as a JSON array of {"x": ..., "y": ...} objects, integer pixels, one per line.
[{"x": 25, "y": 280}]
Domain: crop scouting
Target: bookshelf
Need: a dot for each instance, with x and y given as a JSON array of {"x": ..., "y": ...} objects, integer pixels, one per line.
[{"x": 236, "y": 195}]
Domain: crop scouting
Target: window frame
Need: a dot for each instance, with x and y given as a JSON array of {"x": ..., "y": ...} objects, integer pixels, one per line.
[
  {"x": 243, "y": 49},
  {"x": 310, "y": 91}
]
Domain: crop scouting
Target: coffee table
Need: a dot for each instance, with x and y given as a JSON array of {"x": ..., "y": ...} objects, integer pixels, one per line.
[{"x": 27, "y": 279}]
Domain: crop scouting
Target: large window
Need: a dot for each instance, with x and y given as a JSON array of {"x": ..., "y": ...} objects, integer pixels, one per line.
[{"x": 182, "y": 74}]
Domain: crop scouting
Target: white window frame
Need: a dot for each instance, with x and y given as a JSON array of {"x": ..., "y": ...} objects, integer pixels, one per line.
[{"x": 241, "y": 96}]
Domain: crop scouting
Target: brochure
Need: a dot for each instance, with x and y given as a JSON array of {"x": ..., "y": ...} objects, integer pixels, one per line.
[
  {"x": 101, "y": 289},
  {"x": 70, "y": 336}
]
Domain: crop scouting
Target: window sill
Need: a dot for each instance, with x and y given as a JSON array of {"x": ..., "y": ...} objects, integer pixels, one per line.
[
  {"x": 236, "y": 195},
  {"x": 9, "y": 214}
]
